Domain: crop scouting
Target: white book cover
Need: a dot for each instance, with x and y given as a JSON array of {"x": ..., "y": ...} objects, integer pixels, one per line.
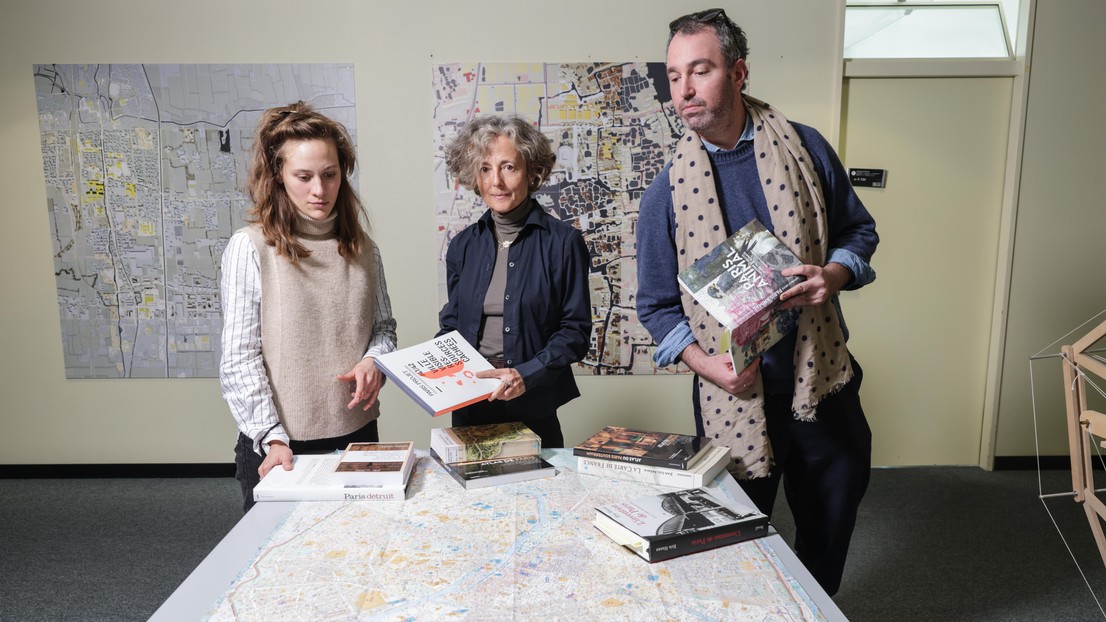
[
  {"x": 440, "y": 374},
  {"x": 312, "y": 478},
  {"x": 703, "y": 473}
]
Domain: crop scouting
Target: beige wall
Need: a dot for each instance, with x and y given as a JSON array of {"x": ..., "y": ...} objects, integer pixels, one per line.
[
  {"x": 921, "y": 330},
  {"x": 46, "y": 418},
  {"x": 1057, "y": 275}
]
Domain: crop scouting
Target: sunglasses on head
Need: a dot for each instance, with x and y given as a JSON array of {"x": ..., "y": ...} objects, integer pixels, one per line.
[{"x": 703, "y": 17}]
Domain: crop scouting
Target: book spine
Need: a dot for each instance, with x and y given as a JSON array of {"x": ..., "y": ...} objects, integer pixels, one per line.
[
  {"x": 445, "y": 447},
  {"x": 657, "y": 462},
  {"x": 639, "y": 473},
  {"x": 451, "y": 471},
  {"x": 401, "y": 382},
  {"x": 661, "y": 549},
  {"x": 334, "y": 494}
]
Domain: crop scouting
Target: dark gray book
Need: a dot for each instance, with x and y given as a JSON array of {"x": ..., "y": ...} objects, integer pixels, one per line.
[
  {"x": 671, "y": 524},
  {"x": 496, "y": 472},
  {"x": 661, "y": 449}
]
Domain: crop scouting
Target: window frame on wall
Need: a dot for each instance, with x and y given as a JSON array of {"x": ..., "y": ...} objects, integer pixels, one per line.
[
  {"x": 936, "y": 60},
  {"x": 919, "y": 29}
]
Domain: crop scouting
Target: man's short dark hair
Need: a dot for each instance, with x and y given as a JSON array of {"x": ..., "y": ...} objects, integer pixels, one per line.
[{"x": 732, "y": 39}]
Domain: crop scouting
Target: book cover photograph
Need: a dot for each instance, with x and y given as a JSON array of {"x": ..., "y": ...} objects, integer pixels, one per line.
[
  {"x": 313, "y": 478},
  {"x": 440, "y": 374},
  {"x": 702, "y": 474},
  {"x": 496, "y": 472},
  {"x": 677, "y": 451},
  {"x": 376, "y": 464},
  {"x": 667, "y": 525},
  {"x": 739, "y": 283},
  {"x": 484, "y": 442}
]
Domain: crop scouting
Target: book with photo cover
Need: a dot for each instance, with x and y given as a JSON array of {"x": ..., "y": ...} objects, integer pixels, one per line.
[
  {"x": 496, "y": 472},
  {"x": 484, "y": 442},
  {"x": 375, "y": 464},
  {"x": 702, "y": 474},
  {"x": 671, "y": 524},
  {"x": 440, "y": 374},
  {"x": 662, "y": 449},
  {"x": 739, "y": 282},
  {"x": 312, "y": 478}
]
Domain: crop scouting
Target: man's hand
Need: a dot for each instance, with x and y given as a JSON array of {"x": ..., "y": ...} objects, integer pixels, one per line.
[
  {"x": 511, "y": 385},
  {"x": 367, "y": 380},
  {"x": 279, "y": 453},
  {"x": 820, "y": 284},
  {"x": 719, "y": 369}
]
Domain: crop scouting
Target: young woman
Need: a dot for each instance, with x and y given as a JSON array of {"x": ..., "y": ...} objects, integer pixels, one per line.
[{"x": 305, "y": 304}]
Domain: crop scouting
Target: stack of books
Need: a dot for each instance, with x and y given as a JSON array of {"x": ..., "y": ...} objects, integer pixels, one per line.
[
  {"x": 489, "y": 455},
  {"x": 364, "y": 472},
  {"x": 671, "y": 524},
  {"x": 663, "y": 458}
]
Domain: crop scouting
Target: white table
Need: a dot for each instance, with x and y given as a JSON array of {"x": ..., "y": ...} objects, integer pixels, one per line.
[{"x": 219, "y": 570}]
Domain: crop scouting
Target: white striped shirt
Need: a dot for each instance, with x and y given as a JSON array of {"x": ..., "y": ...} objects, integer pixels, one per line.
[{"x": 242, "y": 376}]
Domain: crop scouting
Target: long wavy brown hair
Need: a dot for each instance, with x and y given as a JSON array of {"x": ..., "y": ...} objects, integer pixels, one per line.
[{"x": 272, "y": 208}]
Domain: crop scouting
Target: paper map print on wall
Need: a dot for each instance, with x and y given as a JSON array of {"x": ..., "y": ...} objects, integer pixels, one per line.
[
  {"x": 526, "y": 551},
  {"x": 612, "y": 126},
  {"x": 145, "y": 169}
]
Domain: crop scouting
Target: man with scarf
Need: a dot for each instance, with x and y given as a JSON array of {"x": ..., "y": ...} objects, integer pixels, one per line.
[{"x": 793, "y": 414}]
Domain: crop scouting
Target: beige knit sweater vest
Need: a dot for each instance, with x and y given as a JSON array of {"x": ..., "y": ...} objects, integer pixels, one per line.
[{"x": 316, "y": 322}]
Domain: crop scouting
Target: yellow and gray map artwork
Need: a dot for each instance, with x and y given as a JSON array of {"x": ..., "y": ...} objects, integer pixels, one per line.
[
  {"x": 145, "y": 169},
  {"x": 612, "y": 126}
]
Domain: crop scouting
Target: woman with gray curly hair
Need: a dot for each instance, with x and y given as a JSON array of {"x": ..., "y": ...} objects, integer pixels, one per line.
[{"x": 517, "y": 278}]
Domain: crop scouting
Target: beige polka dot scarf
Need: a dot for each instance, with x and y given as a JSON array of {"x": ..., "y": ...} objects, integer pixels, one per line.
[{"x": 798, "y": 213}]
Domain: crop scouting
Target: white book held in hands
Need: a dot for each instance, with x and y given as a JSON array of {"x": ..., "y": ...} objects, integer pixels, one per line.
[{"x": 440, "y": 374}]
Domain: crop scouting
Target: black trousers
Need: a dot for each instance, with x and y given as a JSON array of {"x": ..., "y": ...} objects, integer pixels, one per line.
[
  {"x": 247, "y": 461},
  {"x": 825, "y": 466},
  {"x": 544, "y": 424}
]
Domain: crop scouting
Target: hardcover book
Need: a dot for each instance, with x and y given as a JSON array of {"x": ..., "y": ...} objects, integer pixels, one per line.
[
  {"x": 496, "y": 472},
  {"x": 673, "y": 451},
  {"x": 739, "y": 283},
  {"x": 484, "y": 442},
  {"x": 671, "y": 524},
  {"x": 312, "y": 478},
  {"x": 703, "y": 473},
  {"x": 440, "y": 374},
  {"x": 375, "y": 464}
]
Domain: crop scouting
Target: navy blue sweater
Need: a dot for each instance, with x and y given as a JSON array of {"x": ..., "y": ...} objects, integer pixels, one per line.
[{"x": 851, "y": 229}]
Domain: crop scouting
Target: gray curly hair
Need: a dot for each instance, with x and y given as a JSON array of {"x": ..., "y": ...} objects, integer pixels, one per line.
[{"x": 464, "y": 154}]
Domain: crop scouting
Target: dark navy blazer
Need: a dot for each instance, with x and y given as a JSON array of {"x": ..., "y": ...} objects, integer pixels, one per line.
[{"x": 546, "y": 305}]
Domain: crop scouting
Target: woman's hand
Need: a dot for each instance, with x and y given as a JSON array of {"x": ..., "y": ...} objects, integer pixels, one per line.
[
  {"x": 511, "y": 384},
  {"x": 279, "y": 454},
  {"x": 367, "y": 380}
]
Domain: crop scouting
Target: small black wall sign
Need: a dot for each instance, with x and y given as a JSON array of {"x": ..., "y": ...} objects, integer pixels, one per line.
[{"x": 868, "y": 177}]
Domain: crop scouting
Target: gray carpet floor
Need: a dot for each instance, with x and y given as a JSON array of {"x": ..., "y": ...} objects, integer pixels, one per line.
[{"x": 933, "y": 543}]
